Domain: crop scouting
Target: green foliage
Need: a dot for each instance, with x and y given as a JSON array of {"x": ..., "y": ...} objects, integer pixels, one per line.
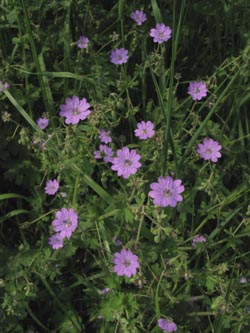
[{"x": 199, "y": 287}]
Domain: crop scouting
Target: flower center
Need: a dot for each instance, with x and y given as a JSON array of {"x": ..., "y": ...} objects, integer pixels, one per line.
[
  {"x": 126, "y": 263},
  {"x": 197, "y": 90},
  {"x": 168, "y": 193},
  {"x": 145, "y": 131},
  {"x": 75, "y": 112},
  {"x": 67, "y": 223},
  {"x": 208, "y": 151},
  {"x": 161, "y": 34},
  {"x": 127, "y": 162}
]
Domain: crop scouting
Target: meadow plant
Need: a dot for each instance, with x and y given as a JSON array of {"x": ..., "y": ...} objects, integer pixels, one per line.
[{"x": 126, "y": 210}]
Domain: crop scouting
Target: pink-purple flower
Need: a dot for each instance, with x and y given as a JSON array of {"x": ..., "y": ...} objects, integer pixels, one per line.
[
  {"x": 161, "y": 33},
  {"x": 209, "y": 150},
  {"x": 166, "y": 192},
  {"x": 42, "y": 122},
  {"x": 4, "y": 86},
  {"x": 126, "y": 263},
  {"x": 56, "y": 241},
  {"x": 167, "y": 325},
  {"x": 66, "y": 222},
  {"x": 119, "y": 56},
  {"x": 83, "y": 42},
  {"x": 126, "y": 163},
  {"x": 145, "y": 130},
  {"x": 52, "y": 186},
  {"x": 105, "y": 136},
  {"x": 104, "y": 152},
  {"x": 74, "y": 110},
  {"x": 197, "y": 90},
  {"x": 138, "y": 16},
  {"x": 198, "y": 239}
]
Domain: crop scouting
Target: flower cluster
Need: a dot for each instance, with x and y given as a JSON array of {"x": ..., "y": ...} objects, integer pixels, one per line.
[
  {"x": 65, "y": 223},
  {"x": 105, "y": 152},
  {"x": 126, "y": 263}
]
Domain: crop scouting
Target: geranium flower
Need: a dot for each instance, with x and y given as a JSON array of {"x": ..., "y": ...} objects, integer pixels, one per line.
[
  {"x": 126, "y": 263},
  {"x": 161, "y": 33},
  {"x": 66, "y": 222},
  {"x": 209, "y": 150},
  {"x": 119, "y": 56},
  {"x": 75, "y": 110},
  {"x": 126, "y": 163},
  {"x": 145, "y": 130},
  {"x": 166, "y": 192},
  {"x": 197, "y": 90},
  {"x": 138, "y": 16}
]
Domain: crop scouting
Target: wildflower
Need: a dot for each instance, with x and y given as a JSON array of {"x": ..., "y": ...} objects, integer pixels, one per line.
[
  {"x": 105, "y": 291},
  {"x": 145, "y": 130},
  {"x": 104, "y": 152},
  {"x": 75, "y": 110},
  {"x": 138, "y": 16},
  {"x": 198, "y": 239},
  {"x": 52, "y": 187},
  {"x": 126, "y": 263},
  {"x": 119, "y": 56},
  {"x": 243, "y": 280},
  {"x": 66, "y": 222},
  {"x": 126, "y": 163},
  {"x": 83, "y": 42},
  {"x": 209, "y": 150},
  {"x": 42, "y": 122},
  {"x": 105, "y": 136},
  {"x": 161, "y": 33},
  {"x": 166, "y": 192},
  {"x": 117, "y": 241},
  {"x": 197, "y": 90},
  {"x": 4, "y": 86},
  {"x": 56, "y": 241},
  {"x": 167, "y": 325}
]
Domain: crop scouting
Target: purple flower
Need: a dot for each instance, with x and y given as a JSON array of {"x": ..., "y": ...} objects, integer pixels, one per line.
[
  {"x": 56, "y": 241},
  {"x": 138, "y": 16},
  {"x": 243, "y": 280},
  {"x": 166, "y": 192},
  {"x": 105, "y": 136},
  {"x": 198, "y": 239},
  {"x": 126, "y": 263},
  {"x": 52, "y": 187},
  {"x": 145, "y": 130},
  {"x": 104, "y": 152},
  {"x": 66, "y": 222},
  {"x": 119, "y": 56},
  {"x": 42, "y": 123},
  {"x": 105, "y": 291},
  {"x": 4, "y": 86},
  {"x": 167, "y": 325},
  {"x": 209, "y": 150},
  {"x": 83, "y": 42},
  {"x": 117, "y": 241},
  {"x": 75, "y": 110},
  {"x": 126, "y": 163},
  {"x": 161, "y": 33},
  {"x": 197, "y": 90}
]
